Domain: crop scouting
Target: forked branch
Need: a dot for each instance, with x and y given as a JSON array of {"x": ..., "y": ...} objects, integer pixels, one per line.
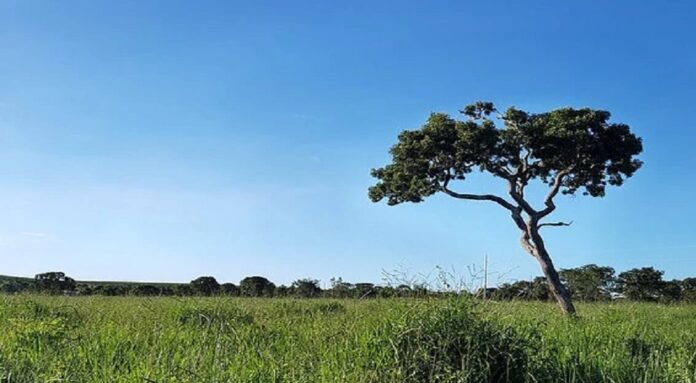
[
  {"x": 517, "y": 193},
  {"x": 555, "y": 188},
  {"x": 477, "y": 197}
]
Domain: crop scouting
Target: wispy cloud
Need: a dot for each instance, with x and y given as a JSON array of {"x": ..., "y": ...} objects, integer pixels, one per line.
[{"x": 34, "y": 234}]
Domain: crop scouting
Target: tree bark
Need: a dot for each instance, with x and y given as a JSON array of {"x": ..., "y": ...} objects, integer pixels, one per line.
[
  {"x": 538, "y": 251},
  {"x": 557, "y": 288}
]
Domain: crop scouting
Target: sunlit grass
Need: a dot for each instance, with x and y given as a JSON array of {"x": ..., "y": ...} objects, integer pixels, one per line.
[{"x": 126, "y": 339}]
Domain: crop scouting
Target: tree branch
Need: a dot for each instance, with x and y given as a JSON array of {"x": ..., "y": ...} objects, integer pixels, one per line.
[
  {"x": 539, "y": 226},
  {"x": 518, "y": 196},
  {"x": 519, "y": 221},
  {"x": 477, "y": 197},
  {"x": 555, "y": 188}
]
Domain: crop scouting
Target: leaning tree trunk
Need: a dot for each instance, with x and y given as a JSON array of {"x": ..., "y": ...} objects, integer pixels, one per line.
[{"x": 538, "y": 251}]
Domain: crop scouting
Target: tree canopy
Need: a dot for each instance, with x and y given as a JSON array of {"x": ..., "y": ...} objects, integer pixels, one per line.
[
  {"x": 205, "y": 285},
  {"x": 306, "y": 288},
  {"x": 54, "y": 282},
  {"x": 578, "y": 149},
  {"x": 256, "y": 286},
  {"x": 589, "y": 282},
  {"x": 641, "y": 284}
]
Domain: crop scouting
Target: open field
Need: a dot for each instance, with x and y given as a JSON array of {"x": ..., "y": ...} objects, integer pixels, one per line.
[{"x": 127, "y": 339}]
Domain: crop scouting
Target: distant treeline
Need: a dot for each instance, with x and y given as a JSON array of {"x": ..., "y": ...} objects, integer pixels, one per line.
[
  {"x": 592, "y": 283},
  {"x": 586, "y": 283},
  {"x": 58, "y": 283}
]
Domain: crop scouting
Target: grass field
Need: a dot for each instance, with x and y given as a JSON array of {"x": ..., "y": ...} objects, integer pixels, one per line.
[{"x": 125, "y": 339}]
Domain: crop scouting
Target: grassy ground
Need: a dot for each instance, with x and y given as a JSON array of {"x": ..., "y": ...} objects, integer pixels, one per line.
[{"x": 117, "y": 339}]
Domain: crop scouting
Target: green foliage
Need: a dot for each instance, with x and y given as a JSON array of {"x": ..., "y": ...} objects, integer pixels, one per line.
[
  {"x": 536, "y": 289},
  {"x": 229, "y": 289},
  {"x": 582, "y": 143},
  {"x": 54, "y": 282},
  {"x": 110, "y": 290},
  {"x": 183, "y": 290},
  {"x": 146, "y": 290},
  {"x": 671, "y": 291},
  {"x": 340, "y": 288},
  {"x": 256, "y": 287},
  {"x": 688, "y": 286},
  {"x": 452, "y": 344},
  {"x": 365, "y": 290},
  {"x": 205, "y": 286},
  {"x": 589, "y": 282},
  {"x": 306, "y": 288},
  {"x": 14, "y": 286},
  {"x": 641, "y": 284}
]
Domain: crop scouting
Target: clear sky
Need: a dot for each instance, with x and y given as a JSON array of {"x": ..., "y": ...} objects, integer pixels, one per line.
[{"x": 163, "y": 140}]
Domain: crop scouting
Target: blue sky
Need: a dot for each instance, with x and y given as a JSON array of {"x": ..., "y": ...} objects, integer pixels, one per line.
[{"x": 164, "y": 140}]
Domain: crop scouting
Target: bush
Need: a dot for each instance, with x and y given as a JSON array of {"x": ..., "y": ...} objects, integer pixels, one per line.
[{"x": 453, "y": 344}]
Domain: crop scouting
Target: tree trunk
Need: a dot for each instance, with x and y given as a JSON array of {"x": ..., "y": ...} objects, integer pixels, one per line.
[{"x": 559, "y": 291}]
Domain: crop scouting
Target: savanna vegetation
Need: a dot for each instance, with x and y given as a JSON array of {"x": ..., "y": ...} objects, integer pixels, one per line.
[
  {"x": 458, "y": 339},
  {"x": 589, "y": 283},
  {"x": 632, "y": 327}
]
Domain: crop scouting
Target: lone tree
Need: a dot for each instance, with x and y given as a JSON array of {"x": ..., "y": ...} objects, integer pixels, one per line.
[
  {"x": 205, "y": 285},
  {"x": 256, "y": 286},
  {"x": 567, "y": 149},
  {"x": 54, "y": 282}
]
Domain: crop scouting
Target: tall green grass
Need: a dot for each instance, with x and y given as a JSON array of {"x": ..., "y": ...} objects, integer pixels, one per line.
[{"x": 126, "y": 339}]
